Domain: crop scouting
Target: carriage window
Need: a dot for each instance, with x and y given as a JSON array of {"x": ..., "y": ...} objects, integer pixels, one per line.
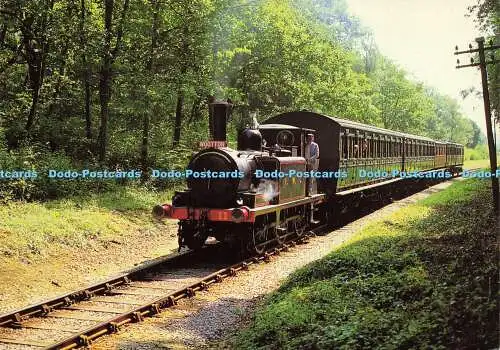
[
  {"x": 354, "y": 147},
  {"x": 343, "y": 146},
  {"x": 341, "y": 149},
  {"x": 351, "y": 146}
]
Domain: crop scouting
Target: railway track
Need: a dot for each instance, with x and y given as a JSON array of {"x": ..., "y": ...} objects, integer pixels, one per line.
[{"x": 76, "y": 319}]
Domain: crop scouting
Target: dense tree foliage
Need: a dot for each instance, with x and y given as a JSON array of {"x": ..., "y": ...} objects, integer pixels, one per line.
[
  {"x": 122, "y": 84},
  {"x": 487, "y": 15}
]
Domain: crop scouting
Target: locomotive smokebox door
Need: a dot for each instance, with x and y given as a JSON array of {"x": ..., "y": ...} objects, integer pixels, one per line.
[{"x": 219, "y": 112}]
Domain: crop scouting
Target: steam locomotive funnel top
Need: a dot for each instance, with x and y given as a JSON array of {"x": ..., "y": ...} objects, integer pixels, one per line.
[{"x": 219, "y": 112}]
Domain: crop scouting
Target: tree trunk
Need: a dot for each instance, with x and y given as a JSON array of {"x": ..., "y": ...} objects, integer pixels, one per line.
[
  {"x": 178, "y": 118},
  {"x": 35, "y": 95},
  {"x": 34, "y": 60},
  {"x": 149, "y": 69},
  {"x": 105, "y": 81},
  {"x": 106, "y": 73},
  {"x": 86, "y": 75},
  {"x": 88, "y": 95},
  {"x": 195, "y": 110},
  {"x": 36, "y": 63}
]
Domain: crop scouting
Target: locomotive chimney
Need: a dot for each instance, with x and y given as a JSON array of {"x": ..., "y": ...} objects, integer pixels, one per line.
[{"x": 219, "y": 112}]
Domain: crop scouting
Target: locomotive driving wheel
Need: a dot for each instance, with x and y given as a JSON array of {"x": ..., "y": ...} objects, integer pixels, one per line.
[
  {"x": 192, "y": 235},
  {"x": 299, "y": 227},
  {"x": 258, "y": 239}
]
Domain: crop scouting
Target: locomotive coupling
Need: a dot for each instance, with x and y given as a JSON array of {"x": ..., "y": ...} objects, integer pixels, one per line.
[{"x": 160, "y": 211}]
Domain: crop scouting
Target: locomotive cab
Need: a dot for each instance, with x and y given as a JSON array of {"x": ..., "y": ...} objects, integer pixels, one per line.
[{"x": 284, "y": 140}]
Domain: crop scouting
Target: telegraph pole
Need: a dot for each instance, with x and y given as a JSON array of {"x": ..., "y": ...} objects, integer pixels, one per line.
[{"x": 487, "y": 108}]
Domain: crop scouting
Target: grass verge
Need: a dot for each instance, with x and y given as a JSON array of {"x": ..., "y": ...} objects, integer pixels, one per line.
[
  {"x": 425, "y": 277},
  {"x": 471, "y": 164},
  {"x": 29, "y": 229}
]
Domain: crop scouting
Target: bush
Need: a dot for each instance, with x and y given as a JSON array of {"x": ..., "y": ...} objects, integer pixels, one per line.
[
  {"x": 40, "y": 160},
  {"x": 477, "y": 153}
]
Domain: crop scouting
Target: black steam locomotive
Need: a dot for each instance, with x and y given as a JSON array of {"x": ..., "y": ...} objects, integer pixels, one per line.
[{"x": 264, "y": 192}]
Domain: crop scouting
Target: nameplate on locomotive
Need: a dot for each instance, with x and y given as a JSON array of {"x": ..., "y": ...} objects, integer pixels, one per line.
[{"x": 212, "y": 144}]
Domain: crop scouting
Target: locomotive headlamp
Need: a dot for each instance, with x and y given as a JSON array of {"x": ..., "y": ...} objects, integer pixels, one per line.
[
  {"x": 160, "y": 211},
  {"x": 239, "y": 214}
]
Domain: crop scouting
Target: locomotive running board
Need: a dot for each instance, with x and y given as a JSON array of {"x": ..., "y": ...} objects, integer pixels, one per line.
[{"x": 313, "y": 199}]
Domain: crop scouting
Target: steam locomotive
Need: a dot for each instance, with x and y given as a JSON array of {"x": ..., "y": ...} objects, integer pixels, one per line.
[{"x": 227, "y": 200}]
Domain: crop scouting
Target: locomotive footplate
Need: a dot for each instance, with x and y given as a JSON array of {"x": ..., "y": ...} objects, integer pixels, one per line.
[{"x": 236, "y": 214}]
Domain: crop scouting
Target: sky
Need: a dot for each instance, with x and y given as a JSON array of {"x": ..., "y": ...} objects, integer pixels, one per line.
[{"x": 420, "y": 36}]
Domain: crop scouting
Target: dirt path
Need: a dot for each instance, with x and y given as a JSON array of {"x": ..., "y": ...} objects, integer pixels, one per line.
[{"x": 63, "y": 269}]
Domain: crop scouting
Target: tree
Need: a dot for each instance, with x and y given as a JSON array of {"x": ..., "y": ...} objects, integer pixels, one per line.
[
  {"x": 402, "y": 103},
  {"x": 487, "y": 13},
  {"x": 109, "y": 56}
]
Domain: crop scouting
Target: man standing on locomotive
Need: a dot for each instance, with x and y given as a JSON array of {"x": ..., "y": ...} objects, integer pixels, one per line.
[{"x": 311, "y": 154}]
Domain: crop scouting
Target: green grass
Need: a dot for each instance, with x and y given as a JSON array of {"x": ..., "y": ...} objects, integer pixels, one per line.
[
  {"x": 471, "y": 164},
  {"x": 29, "y": 228},
  {"x": 426, "y": 277}
]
